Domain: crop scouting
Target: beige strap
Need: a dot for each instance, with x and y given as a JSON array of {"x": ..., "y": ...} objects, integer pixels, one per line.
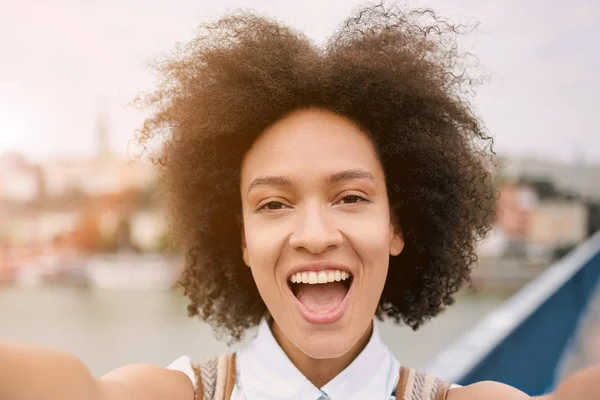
[
  {"x": 215, "y": 378},
  {"x": 442, "y": 390},
  {"x": 230, "y": 378},
  {"x": 199, "y": 393},
  {"x": 428, "y": 388},
  {"x": 413, "y": 385},
  {"x": 221, "y": 377},
  {"x": 408, "y": 388},
  {"x": 402, "y": 379}
]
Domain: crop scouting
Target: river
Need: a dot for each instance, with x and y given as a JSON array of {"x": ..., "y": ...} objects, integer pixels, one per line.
[{"x": 111, "y": 328}]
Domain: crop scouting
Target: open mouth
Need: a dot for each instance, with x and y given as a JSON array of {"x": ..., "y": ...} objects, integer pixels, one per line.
[{"x": 322, "y": 291}]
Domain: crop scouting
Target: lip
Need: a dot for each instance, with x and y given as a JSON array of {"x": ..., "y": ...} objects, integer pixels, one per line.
[{"x": 328, "y": 317}]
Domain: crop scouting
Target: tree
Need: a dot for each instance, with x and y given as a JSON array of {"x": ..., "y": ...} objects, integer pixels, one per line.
[
  {"x": 544, "y": 188},
  {"x": 593, "y": 209}
]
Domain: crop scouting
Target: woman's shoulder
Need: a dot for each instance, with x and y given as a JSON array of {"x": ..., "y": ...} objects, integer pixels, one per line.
[
  {"x": 487, "y": 390},
  {"x": 416, "y": 384},
  {"x": 184, "y": 364},
  {"x": 209, "y": 374},
  {"x": 421, "y": 385},
  {"x": 146, "y": 381}
]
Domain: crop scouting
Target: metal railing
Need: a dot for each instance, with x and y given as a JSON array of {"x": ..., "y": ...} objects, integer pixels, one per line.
[{"x": 524, "y": 341}]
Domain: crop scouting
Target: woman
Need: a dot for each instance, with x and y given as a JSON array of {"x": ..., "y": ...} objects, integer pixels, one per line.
[{"x": 312, "y": 190}]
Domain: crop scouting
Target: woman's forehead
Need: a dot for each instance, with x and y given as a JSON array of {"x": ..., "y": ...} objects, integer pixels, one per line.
[{"x": 310, "y": 142}]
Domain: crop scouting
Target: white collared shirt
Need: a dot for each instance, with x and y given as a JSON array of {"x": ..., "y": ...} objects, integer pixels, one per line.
[{"x": 264, "y": 372}]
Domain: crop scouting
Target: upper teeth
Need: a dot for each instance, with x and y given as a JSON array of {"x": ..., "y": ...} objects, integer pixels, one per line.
[{"x": 319, "y": 277}]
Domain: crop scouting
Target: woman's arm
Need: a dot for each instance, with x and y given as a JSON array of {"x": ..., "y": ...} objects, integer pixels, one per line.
[
  {"x": 488, "y": 391},
  {"x": 32, "y": 373},
  {"x": 145, "y": 382},
  {"x": 584, "y": 385}
]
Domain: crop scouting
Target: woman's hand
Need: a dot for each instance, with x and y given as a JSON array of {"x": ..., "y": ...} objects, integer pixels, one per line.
[
  {"x": 33, "y": 373},
  {"x": 583, "y": 385}
]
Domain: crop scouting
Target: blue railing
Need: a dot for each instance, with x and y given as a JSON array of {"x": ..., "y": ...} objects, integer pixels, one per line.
[{"x": 524, "y": 341}]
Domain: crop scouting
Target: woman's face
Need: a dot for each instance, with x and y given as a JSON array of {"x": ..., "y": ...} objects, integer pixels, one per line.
[{"x": 317, "y": 230}]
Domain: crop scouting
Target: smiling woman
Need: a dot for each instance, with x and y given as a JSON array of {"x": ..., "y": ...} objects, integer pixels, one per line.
[
  {"x": 312, "y": 190},
  {"x": 331, "y": 215},
  {"x": 382, "y": 97}
]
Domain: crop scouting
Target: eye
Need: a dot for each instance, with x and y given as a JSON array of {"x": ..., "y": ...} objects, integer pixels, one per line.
[
  {"x": 352, "y": 199},
  {"x": 271, "y": 206}
]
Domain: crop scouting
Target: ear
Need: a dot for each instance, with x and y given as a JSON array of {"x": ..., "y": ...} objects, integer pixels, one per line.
[{"x": 396, "y": 239}]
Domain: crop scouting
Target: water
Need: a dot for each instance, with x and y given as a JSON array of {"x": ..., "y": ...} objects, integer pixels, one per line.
[{"x": 108, "y": 329}]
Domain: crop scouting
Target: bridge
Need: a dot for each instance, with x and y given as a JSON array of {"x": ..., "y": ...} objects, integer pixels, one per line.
[{"x": 543, "y": 333}]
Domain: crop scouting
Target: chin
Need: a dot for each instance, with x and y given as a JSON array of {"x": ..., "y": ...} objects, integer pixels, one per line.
[{"x": 325, "y": 348}]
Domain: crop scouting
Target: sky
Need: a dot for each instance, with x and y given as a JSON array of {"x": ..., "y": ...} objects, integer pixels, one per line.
[{"x": 63, "y": 63}]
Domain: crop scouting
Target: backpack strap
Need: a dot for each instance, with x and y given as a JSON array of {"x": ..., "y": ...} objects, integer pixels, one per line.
[
  {"x": 215, "y": 378},
  {"x": 229, "y": 377},
  {"x": 414, "y": 385}
]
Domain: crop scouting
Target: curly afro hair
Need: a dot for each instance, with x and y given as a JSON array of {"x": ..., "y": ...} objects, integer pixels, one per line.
[{"x": 397, "y": 74}]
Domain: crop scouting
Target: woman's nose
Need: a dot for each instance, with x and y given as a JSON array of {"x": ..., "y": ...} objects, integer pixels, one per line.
[{"x": 315, "y": 231}]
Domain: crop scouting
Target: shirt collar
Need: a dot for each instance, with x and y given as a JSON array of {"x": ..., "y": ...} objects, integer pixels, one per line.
[{"x": 265, "y": 372}]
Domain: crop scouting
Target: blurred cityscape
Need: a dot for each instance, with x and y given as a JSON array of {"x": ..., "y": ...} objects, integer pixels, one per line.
[
  {"x": 98, "y": 221},
  {"x": 83, "y": 221}
]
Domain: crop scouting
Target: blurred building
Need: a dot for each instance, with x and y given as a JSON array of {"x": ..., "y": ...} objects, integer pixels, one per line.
[
  {"x": 578, "y": 178},
  {"x": 102, "y": 203},
  {"x": 20, "y": 181},
  {"x": 36, "y": 226},
  {"x": 148, "y": 228},
  {"x": 558, "y": 223},
  {"x": 531, "y": 225},
  {"x": 514, "y": 211},
  {"x": 93, "y": 176}
]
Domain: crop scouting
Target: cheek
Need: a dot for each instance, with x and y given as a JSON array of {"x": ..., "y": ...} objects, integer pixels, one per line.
[
  {"x": 264, "y": 243},
  {"x": 371, "y": 242}
]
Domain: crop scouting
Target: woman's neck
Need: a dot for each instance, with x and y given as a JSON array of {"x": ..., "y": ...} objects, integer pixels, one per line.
[{"x": 319, "y": 371}]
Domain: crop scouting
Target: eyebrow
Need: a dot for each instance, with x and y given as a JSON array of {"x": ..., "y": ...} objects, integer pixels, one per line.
[
  {"x": 351, "y": 174},
  {"x": 270, "y": 181},
  {"x": 347, "y": 175}
]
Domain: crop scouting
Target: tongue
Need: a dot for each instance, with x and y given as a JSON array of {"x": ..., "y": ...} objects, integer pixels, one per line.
[{"x": 323, "y": 297}]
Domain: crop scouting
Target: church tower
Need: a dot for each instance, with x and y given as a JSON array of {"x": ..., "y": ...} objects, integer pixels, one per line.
[{"x": 103, "y": 147}]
